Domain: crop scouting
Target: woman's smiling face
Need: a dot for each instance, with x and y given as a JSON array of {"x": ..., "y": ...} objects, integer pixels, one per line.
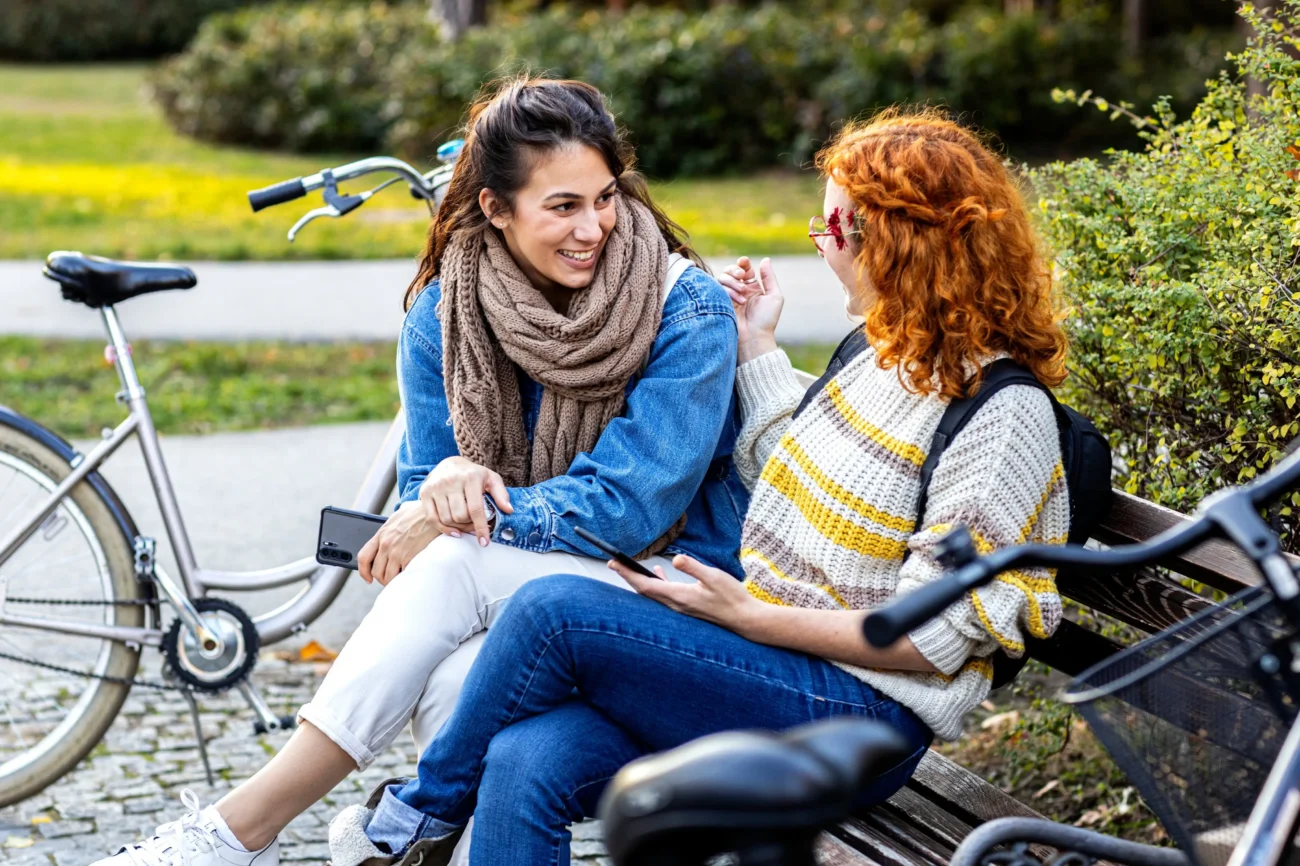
[{"x": 557, "y": 228}]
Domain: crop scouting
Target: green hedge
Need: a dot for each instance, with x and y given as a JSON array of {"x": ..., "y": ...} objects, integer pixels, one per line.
[
  {"x": 1183, "y": 264},
  {"x": 302, "y": 78},
  {"x": 726, "y": 90},
  {"x": 76, "y": 30}
]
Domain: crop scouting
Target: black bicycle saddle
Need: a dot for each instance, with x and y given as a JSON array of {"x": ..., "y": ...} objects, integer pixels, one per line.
[
  {"x": 98, "y": 282},
  {"x": 753, "y": 786}
]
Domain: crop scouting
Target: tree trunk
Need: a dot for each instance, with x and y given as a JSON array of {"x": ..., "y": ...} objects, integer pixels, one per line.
[
  {"x": 457, "y": 16},
  {"x": 1134, "y": 30},
  {"x": 1017, "y": 7},
  {"x": 1254, "y": 87}
]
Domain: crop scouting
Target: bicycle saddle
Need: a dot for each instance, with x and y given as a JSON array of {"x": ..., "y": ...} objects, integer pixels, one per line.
[
  {"x": 746, "y": 786},
  {"x": 98, "y": 282}
]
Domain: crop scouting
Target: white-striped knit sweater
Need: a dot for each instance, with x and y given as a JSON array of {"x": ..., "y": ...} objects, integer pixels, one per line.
[{"x": 834, "y": 504}]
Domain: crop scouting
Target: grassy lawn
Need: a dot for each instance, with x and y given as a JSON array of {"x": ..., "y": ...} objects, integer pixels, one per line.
[
  {"x": 202, "y": 387},
  {"x": 86, "y": 162}
]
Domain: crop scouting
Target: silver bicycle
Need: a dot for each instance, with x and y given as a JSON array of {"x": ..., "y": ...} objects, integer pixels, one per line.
[{"x": 80, "y": 592}]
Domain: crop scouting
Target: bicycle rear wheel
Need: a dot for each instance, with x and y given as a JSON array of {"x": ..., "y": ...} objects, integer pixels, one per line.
[{"x": 50, "y": 720}]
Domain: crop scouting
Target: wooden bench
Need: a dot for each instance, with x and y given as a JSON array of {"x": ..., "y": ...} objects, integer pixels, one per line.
[{"x": 923, "y": 824}]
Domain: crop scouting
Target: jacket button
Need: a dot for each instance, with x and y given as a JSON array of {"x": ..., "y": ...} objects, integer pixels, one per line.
[
  {"x": 534, "y": 538},
  {"x": 507, "y": 534}
]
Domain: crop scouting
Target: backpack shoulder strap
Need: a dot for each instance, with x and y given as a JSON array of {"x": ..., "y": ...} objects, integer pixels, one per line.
[
  {"x": 849, "y": 348},
  {"x": 1000, "y": 374},
  {"x": 677, "y": 265}
]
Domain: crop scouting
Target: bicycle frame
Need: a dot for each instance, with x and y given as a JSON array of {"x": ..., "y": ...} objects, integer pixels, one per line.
[{"x": 324, "y": 583}]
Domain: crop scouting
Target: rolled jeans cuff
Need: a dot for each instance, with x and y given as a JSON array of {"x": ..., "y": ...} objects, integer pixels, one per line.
[{"x": 398, "y": 826}]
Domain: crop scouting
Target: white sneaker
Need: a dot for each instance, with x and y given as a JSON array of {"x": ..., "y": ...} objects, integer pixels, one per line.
[{"x": 194, "y": 840}]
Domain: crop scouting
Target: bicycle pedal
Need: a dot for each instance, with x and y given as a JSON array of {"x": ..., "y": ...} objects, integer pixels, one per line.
[{"x": 286, "y": 723}]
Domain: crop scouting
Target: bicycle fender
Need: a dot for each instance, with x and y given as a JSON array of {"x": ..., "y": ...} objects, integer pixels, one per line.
[{"x": 61, "y": 446}]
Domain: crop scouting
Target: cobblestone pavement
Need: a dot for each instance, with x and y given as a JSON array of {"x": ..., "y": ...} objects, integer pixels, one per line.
[{"x": 132, "y": 781}]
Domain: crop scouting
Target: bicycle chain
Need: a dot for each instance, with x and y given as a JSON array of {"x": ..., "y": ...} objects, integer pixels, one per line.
[
  {"x": 108, "y": 678},
  {"x": 130, "y": 602}
]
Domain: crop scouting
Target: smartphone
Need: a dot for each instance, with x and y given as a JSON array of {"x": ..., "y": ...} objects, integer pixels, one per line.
[
  {"x": 342, "y": 535},
  {"x": 614, "y": 553}
]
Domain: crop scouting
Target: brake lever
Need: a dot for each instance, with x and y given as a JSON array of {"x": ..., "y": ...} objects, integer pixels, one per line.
[
  {"x": 336, "y": 205},
  {"x": 315, "y": 213}
]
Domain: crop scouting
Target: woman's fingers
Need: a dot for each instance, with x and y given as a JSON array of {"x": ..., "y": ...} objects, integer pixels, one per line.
[
  {"x": 366, "y": 556},
  {"x": 496, "y": 488}
]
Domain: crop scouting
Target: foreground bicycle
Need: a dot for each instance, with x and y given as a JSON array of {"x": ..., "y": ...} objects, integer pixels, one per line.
[
  {"x": 1201, "y": 717},
  {"x": 80, "y": 592}
]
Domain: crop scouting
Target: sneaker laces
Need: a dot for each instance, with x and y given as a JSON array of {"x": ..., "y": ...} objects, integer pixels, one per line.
[{"x": 186, "y": 837}]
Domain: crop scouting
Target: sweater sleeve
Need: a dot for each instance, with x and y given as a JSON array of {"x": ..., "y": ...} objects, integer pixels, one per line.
[
  {"x": 1003, "y": 479},
  {"x": 769, "y": 393}
]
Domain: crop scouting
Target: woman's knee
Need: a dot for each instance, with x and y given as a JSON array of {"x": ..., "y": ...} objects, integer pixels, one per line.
[{"x": 558, "y": 600}]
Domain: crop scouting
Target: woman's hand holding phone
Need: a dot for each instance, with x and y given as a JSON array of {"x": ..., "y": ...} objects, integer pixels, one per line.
[
  {"x": 757, "y": 299},
  {"x": 396, "y": 543},
  {"x": 452, "y": 496},
  {"x": 715, "y": 597}
]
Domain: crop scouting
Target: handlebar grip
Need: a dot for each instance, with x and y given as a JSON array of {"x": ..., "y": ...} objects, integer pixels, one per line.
[
  {"x": 908, "y": 612},
  {"x": 277, "y": 194}
]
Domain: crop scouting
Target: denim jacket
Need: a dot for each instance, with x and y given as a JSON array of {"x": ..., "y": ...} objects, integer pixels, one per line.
[{"x": 669, "y": 452}]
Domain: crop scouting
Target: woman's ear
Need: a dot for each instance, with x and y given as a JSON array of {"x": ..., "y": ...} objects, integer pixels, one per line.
[{"x": 492, "y": 208}]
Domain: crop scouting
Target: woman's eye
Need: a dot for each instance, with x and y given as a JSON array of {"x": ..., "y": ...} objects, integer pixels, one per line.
[
  {"x": 563, "y": 208},
  {"x": 606, "y": 198}
]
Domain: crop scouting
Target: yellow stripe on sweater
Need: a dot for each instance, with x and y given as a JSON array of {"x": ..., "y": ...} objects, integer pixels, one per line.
[
  {"x": 778, "y": 573},
  {"x": 1027, "y": 584},
  {"x": 763, "y": 595},
  {"x": 1008, "y": 643},
  {"x": 1058, "y": 472},
  {"x": 906, "y": 450},
  {"x": 841, "y": 494},
  {"x": 834, "y": 528},
  {"x": 980, "y": 665}
]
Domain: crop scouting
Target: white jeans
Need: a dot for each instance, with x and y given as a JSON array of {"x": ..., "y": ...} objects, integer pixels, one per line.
[{"x": 400, "y": 665}]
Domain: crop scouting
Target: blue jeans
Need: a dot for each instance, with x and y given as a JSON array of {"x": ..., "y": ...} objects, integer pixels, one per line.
[{"x": 578, "y": 678}]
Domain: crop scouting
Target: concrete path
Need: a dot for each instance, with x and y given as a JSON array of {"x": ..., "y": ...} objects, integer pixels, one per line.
[{"x": 328, "y": 301}]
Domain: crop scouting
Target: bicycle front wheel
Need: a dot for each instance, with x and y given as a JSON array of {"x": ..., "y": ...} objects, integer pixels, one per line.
[{"x": 50, "y": 719}]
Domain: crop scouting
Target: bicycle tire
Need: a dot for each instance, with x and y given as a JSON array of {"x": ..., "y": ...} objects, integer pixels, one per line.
[{"x": 32, "y": 771}]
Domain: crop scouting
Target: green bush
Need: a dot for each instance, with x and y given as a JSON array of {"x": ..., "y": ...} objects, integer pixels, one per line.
[
  {"x": 77, "y": 30},
  {"x": 726, "y": 90},
  {"x": 304, "y": 78},
  {"x": 1182, "y": 263}
]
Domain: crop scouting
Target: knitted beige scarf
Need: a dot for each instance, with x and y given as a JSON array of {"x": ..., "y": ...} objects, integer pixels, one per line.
[{"x": 493, "y": 319}]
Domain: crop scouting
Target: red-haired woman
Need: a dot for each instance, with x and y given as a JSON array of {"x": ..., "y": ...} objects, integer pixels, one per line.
[{"x": 933, "y": 244}]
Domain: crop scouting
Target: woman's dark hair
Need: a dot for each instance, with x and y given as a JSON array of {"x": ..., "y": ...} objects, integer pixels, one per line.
[{"x": 509, "y": 126}]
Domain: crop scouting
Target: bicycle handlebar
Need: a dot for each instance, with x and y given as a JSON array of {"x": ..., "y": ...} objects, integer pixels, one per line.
[
  {"x": 1228, "y": 513},
  {"x": 277, "y": 194}
]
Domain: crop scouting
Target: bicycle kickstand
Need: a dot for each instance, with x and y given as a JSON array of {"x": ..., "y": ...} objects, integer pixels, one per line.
[{"x": 266, "y": 721}]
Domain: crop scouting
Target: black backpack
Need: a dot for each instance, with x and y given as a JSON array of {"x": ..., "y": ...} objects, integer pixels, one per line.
[{"x": 1085, "y": 454}]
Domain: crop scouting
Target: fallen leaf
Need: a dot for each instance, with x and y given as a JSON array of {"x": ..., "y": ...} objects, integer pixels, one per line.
[
  {"x": 988, "y": 705},
  {"x": 311, "y": 652},
  {"x": 1050, "y": 786},
  {"x": 42, "y": 819},
  {"x": 19, "y": 842},
  {"x": 1000, "y": 720},
  {"x": 314, "y": 652}
]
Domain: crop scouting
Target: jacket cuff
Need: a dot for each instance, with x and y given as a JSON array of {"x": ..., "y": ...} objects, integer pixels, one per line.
[
  {"x": 942, "y": 645},
  {"x": 531, "y": 525},
  {"x": 766, "y": 380}
]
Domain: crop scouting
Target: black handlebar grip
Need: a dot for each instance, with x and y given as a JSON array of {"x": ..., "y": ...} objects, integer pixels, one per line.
[
  {"x": 277, "y": 194},
  {"x": 908, "y": 612}
]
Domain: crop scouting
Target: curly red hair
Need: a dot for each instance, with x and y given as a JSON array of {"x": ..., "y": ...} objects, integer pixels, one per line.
[{"x": 947, "y": 249}]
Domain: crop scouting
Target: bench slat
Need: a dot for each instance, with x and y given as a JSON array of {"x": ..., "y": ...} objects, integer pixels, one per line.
[
  {"x": 963, "y": 794},
  {"x": 1215, "y": 563},
  {"x": 948, "y": 828},
  {"x": 1072, "y": 649},
  {"x": 1146, "y": 599},
  {"x": 884, "y": 845}
]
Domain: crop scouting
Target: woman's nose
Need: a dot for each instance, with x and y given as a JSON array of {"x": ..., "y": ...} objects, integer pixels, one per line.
[{"x": 588, "y": 229}]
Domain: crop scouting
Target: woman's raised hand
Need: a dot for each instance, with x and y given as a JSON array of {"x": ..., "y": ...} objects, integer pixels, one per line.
[
  {"x": 452, "y": 496},
  {"x": 756, "y": 297},
  {"x": 397, "y": 542}
]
